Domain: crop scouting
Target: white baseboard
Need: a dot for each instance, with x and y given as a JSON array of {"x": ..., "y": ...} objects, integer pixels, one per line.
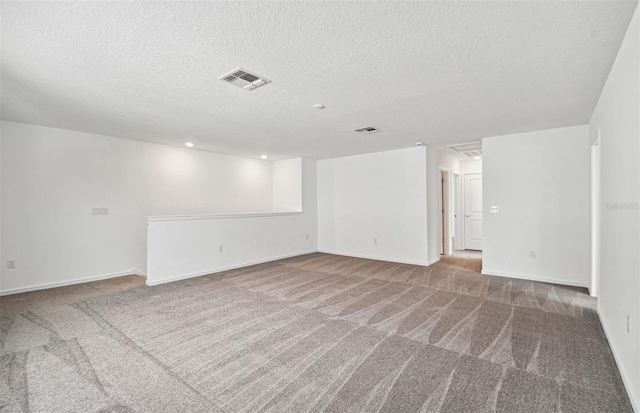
[
  {"x": 69, "y": 282},
  {"x": 534, "y": 278},
  {"x": 627, "y": 386},
  {"x": 227, "y": 268},
  {"x": 433, "y": 261},
  {"x": 136, "y": 271},
  {"x": 371, "y": 257}
]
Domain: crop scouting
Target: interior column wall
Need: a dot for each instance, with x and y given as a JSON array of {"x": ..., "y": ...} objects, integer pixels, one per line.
[
  {"x": 540, "y": 183},
  {"x": 616, "y": 119},
  {"x": 374, "y": 206}
]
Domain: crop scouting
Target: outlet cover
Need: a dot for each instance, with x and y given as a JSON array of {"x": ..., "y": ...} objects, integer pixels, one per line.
[{"x": 11, "y": 264}]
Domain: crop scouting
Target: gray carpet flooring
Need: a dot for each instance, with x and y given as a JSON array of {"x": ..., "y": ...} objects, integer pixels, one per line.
[{"x": 313, "y": 333}]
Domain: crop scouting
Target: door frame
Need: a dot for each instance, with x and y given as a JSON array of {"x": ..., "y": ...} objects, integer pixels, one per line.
[
  {"x": 595, "y": 217},
  {"x": 455, "y": 202},
  {"x": 445, "y": 215}
]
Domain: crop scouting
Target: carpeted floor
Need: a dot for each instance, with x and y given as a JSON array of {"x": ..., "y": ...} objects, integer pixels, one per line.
[{"x": 313, "y": 333}]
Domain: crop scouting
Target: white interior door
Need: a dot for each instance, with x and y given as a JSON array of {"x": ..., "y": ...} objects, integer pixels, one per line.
[{"x": 473, "y": 212}]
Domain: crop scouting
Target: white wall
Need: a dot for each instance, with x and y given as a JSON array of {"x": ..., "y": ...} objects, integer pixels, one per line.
[
  {"x": 183, "y": 248},
  {"x": 52, "y": 177},
  {"x": 287, "y": 185},
  {"x": 617, "y": 116},
  {"x": 448, "y": 162},
  {"x": 540, "y": 182},
  {"x": 3, "y": 262},
  {"x": 354, "y": 193},
  {"x": 378, "y": 196},
  {"x": 470, "y": 166}
]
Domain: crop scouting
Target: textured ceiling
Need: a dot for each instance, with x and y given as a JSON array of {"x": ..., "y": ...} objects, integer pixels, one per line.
[{"x": 435, "y": 72}]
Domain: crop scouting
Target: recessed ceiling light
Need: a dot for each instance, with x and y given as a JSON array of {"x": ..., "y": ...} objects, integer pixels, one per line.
[
  {"x": 318, "y": 106},
  {"x": 476, "y": 157},
  {"x": 189, "y": 144},
  {"x": 263, "y": 157}
]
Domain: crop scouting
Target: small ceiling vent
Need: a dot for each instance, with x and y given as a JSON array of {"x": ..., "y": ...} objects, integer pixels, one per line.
[
  {"x": 367, "y": 130},
  {"x": 470, "y": 150},
  {"x": 244, "y": 79}
]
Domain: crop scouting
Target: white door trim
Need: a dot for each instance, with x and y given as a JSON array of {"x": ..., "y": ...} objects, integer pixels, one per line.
[
  {"x": 594, "y": 286},
  {"x": 445, "y": 217},
  {"x": 457, "y": 223}
]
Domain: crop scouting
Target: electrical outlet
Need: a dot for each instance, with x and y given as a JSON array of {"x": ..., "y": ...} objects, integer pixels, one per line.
[
  {"x": 220, "y": 248},
  {"x": 532, "y": 254},
  {"x": 11, "y": 264},
  {"x": 628, "y": 322},
  {"x": 99, "y": 211},
  {"x": 375, "y": 240},
  {"x": 495, "y": 210}
]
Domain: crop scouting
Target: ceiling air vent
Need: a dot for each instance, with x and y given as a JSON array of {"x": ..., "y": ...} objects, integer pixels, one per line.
[
  {"x": 367, "y": 130},
  {"x": 470, "y": 150},
  {"x": 244, "y": 79}
]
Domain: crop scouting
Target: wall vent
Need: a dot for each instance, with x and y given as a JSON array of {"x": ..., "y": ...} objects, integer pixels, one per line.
[
  {"x": 367, "y": 130},
  {"x": 244, "y": 79},
  {"x": 471, "y": 150}
]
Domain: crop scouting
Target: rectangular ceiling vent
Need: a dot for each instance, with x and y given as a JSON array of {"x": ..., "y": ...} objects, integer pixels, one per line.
[
  {"x": 470, "y": 150},
  {"x": 244, "y": 79},
  {"x": 367, "y": 130}
]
